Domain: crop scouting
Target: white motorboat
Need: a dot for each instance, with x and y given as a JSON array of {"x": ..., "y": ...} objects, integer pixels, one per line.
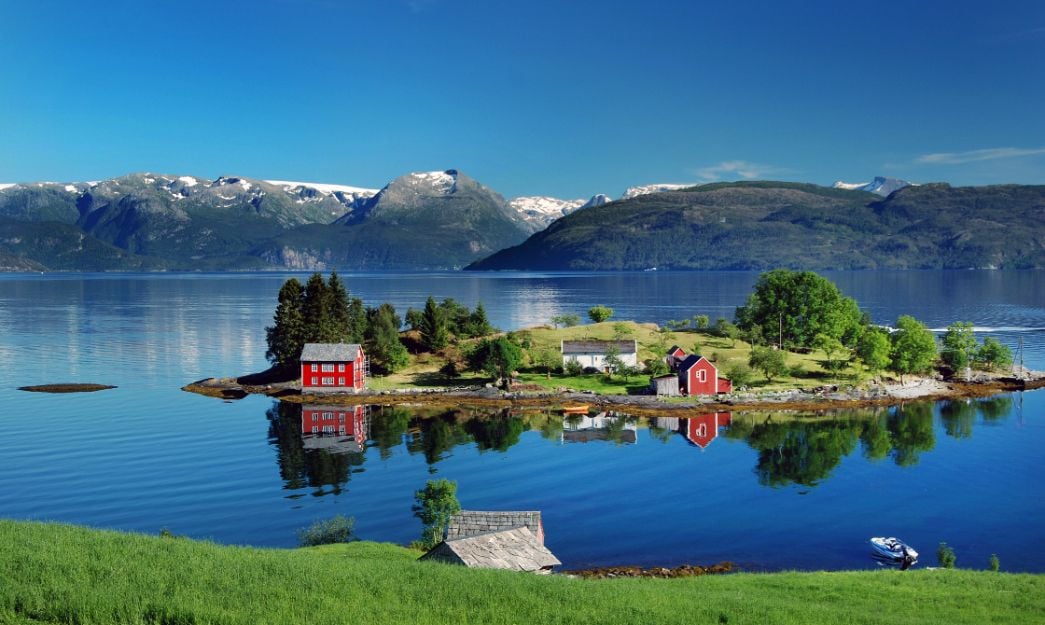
[{"x": 893, "y": 550}]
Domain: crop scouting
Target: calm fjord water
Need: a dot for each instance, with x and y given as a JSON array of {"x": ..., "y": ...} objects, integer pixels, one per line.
[{"x": 761, "y": 491}]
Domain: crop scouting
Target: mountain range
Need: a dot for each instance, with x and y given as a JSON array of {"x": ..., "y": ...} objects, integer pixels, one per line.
[{"x": 447, "y": 220}]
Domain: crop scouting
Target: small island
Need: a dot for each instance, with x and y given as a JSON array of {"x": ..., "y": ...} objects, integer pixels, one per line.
[
  {"x": 796, "y": 344},
  {"x": 67, "y": 387}
]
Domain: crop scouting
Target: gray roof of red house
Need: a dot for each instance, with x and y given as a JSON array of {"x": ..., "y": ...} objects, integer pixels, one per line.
[
  {"x": 475, "y": 522},
  {"x": 598, "y": 347},
  {"x": 330, "y": 352},
  {"x": 515, "y": 549}
]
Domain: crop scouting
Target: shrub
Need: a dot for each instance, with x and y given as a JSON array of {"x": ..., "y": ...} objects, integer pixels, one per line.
[
  {"x": 995, "y": 564},
  {"x": 573, "y": 367},
  {"x": 328, "y": 532},
  {"x": 739, "y": 374},
  {"x": 598, "y": 314},
  {"x": 945, "y": 556}
]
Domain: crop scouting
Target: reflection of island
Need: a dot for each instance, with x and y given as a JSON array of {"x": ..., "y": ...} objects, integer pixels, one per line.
[
  {"x": 604, "y": 426},
  {"x": 337, "y": 429},
  {"x": 699, "y": 430}
]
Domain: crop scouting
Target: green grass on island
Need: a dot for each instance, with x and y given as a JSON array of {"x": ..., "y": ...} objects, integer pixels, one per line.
[
  {"x": 64, "y": 574},
  {"x": 806, "y": 370}
]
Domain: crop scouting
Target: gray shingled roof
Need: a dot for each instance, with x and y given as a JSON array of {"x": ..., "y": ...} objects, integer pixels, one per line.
[
  {"x": 514, "y": 549},
  {"x": 329, "y": 352},
  {"x": 474, "y": 522},
  {"x": 598, "y": 347}
]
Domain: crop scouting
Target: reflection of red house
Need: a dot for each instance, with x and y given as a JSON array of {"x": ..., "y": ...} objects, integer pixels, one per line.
[
  {"x": 698, "y": 376},
  {"x": 332, "y": 367},
  {"x": 336, "y": 427},
  {"x": 703, "y": 429}
]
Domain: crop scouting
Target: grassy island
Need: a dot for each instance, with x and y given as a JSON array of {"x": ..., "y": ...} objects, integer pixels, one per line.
[{"x": 64, "y": 574}]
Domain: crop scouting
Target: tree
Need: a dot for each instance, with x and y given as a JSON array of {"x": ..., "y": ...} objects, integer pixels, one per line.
[
  {"x": 548, "y": 360},
  {"x": 613, "y": 360},
  {"x": 435, "y": 505},
  {"x": 478, "y": 324},
  {"x": 795, "y": 306},
  {"x": 434, "y": 335},
  {"x": 702, "y": 322},
  {"x": 739, "y": 374},
  {"x": 769, "y": 361},
  {"x": 455, "y": 314},
  {"x": 413, "y": 318},
  {"x": 316, "y": 307},
  {"x": 913, "y": 347},
  {"x": 566, "y": 321},
  {"x": 830, "y": 346},
  {"x": 993, "y": 354},
  {"x": 873, "y": 349},
  {"x": 497, "y": 357},
  {"x": 958, "y": 345},
  {"x": 656, "y": 367},
  {"x": 340, "y": 313},
  {"x": 286, "y": 336},
  {"x": 383, "y": 338},
  {"x": 573, "y": 368},
  {"x": 600, "y": 313},
  {"x": 725, "y": 329}
]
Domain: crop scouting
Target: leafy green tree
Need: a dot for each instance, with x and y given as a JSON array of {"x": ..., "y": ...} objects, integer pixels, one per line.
[
  {"x": 754, "y": 335},
  {"x": 434, "y": 335},
  {"x": 547, "y": 360},
  {"x": 382, "y": 340},
  {"x": 993, "y": 354},
  {"x": 958, "y": 345},
  {"x": 456, "y": 315},
  {"x": 566, "y": 321},
  {"x": 798, "y": 305},
  {"x": 612, "y": 359},
  {"x": 913, "y": 347},
  {"x": 600, "y": 313},
  {"x": 413, "y": 318},
  {"x": 286, "y": 336},
  {"x": 769, "y": 361},
  {"x": 478, "y": 324},
  {"x": 873, "y": 349},
  {"x": 497, "y": 357},
  {"x": 831, "y": 347},
  {"x": 702, "y": 322},
  {"x": 726, "y": 329},
  {"x": 573, "y": 368},
  {"x": 435, "y": 505},
  {"x": 656, "y": 367},
  {"x": 739, "y": 374}
]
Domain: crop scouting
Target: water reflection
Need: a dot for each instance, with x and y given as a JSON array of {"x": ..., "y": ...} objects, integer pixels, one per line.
[{"x": 321, "y": 446}]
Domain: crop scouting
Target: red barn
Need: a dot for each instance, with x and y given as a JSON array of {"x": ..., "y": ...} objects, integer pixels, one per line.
[
  {"x": 333, "y": 368},
  {"x": 703, "y": 429},
  {"x": 699, "y": 376},
  {"x": 674, "y": 357}
]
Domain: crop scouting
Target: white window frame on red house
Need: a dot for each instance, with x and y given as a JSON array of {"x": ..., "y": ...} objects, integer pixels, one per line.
[
  {"x": 328, "y": 381},
  {"x": 315, "y": 381},
  {"x": 341, "y": 381},
  {"x": 315, "y": 368},
  {"x": 702, "y": 376},
  {"x": 328, "y": 367},
  {"x": 340, "y": 367}
]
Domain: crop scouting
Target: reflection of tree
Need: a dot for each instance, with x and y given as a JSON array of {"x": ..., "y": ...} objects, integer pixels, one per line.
[
  {"x": 957, "y": 417},
  {"x": 876, "y": 438},
  {"x": 300, "y": 467},
  {"x": 616, "y": 425},
  {"x": 911, "y": 426},
  {"x": 995, "y": 408},
  {"x": 387, "y": 426},
  {"x": 497, "y": 432},
  {"x": 801, "y": 452},
  {"x": 436, "y": 436}
]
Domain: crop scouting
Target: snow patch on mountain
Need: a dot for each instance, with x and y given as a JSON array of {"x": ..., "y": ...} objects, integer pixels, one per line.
[
  {"x": 879, "y": 186},
  {"x": 631, "y": 192},
  {"x": 189, "y": 181},
  {"x": 544, "y": 205},
  {"x": 326, "y": 189},
  {"x": 597, "y": 200},
  {"x": 442, "y": 181},
  {"x": 7, "y": 185}
]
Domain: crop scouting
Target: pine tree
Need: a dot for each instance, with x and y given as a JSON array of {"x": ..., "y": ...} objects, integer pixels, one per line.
[
  {"x": 287, "y": 336},
  {"x": 478, "y": 324},
  {"x": 434, "y": 335},
  {"x": 340, "y": 314},
  {"x": 356, "y": 321},
  {"x": 319, "y": 327}
]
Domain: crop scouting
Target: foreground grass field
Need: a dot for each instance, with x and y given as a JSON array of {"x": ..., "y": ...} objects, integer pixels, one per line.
[{"x": 63, "y": 574}]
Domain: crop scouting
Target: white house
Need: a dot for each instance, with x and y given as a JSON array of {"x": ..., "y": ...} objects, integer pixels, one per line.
[{"x": 592, "y": 353}]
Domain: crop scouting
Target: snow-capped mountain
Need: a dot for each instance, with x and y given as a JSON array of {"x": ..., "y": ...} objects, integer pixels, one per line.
[
  {"x": 631, "y": 192},
  {"x": 880, "y": 185},
  {"x": 540, "y": 210},
  {"x": 597, "y": 200}
]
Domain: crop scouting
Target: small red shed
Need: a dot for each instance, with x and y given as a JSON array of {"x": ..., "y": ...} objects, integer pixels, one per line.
[
  {"x": 703, "y": 429},
  {"x": 699, "y": 376},
  {"x": 674, "y": 357},
  {"x": 333, "y": 367}
]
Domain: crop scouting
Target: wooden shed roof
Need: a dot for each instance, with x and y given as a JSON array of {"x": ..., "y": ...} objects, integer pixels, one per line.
[
  {"x": 514, "y": 549},
  {"x": 473, "y": 522}
]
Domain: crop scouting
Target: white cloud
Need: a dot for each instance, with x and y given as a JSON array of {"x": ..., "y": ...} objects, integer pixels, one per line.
[
  {"x": 972, "y": 156},
  {"x": 738, "y": 169}
]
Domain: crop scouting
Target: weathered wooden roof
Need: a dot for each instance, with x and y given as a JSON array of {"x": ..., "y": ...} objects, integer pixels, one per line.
[
  {"x": 328, "y": 352},
  {"x": 514, "y": 549},
  {"x": 474, "y": 522},
  {"x": 598, "y": 347}
]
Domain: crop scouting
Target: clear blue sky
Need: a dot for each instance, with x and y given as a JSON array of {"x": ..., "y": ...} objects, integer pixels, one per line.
[{"x": 547, "y": 97}]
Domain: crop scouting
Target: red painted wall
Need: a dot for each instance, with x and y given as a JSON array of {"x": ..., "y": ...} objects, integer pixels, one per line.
[
  {"x": 703, "y": 429},
  {"x": 339, "y": 420},
  {"x": 353, "y": 374},
  {"x": 690, "y": 378}
]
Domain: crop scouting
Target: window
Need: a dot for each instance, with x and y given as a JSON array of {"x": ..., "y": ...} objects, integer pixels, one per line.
[
  {"x": 315, "y": 416},
  {"x": 328, "y": 429},
  {"x": 315, "y": 429},
  {"x": 328, "y": 367},
  {"x": 315, "y": 367},
  {"x": 341, "y": 367},
  {"x": 341, "y": 381},
  {"x": 315, "y": 380},
  {"x": 341, "y": 430},
  {"x": 328, "y": 415},
  {"x": 341, "y": 417},
  {"x": 702, "y": 375},
  {"x": 328, "y": 381}
]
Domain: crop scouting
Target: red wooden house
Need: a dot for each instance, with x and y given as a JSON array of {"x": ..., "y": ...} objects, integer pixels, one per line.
[
  {"x": 335, "y": 428},
  {"x": 333, "y": 368},
  {"x": 675, "y": 357},
  {"x": 703, "y": 429},
  {"x": 699, "y": 376}
]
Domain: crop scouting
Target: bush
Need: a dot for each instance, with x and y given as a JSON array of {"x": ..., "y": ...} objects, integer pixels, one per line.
[
  {"x": 739, "y": 374},
  {"x": 328, "y": 532},
  {"x": 945, "y": 556},
  {"x": 598, "y": 314},
  {"x": 995, "y": 564},
  {"x": 573, "y": 367}
]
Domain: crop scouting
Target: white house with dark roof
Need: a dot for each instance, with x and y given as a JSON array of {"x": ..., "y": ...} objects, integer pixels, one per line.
[
  {"x": 592, "y": 352},
  {"x": 333, "y": 368}
]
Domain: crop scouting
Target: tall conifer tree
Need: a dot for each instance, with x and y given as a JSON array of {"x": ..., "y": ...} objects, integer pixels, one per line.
[
  {"x": 287, "y": 336},
  {"x": 434, "y": 335},
  {"x": 316, "y": 308},
  {"x": 340, "y": 313}
]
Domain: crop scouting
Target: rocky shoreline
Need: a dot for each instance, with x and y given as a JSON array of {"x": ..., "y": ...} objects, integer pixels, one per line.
[{"x": 816, "y": 399}]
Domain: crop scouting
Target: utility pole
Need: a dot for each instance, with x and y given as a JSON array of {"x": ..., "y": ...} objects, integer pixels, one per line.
[{"x": 780, "y": 337}]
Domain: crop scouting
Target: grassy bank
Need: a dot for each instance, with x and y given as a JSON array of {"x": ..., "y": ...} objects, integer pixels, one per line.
[{"x": 64, "y": 574}]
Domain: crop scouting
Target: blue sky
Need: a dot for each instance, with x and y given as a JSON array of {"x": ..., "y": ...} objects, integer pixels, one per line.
[{"x": 537, "y": 98}]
